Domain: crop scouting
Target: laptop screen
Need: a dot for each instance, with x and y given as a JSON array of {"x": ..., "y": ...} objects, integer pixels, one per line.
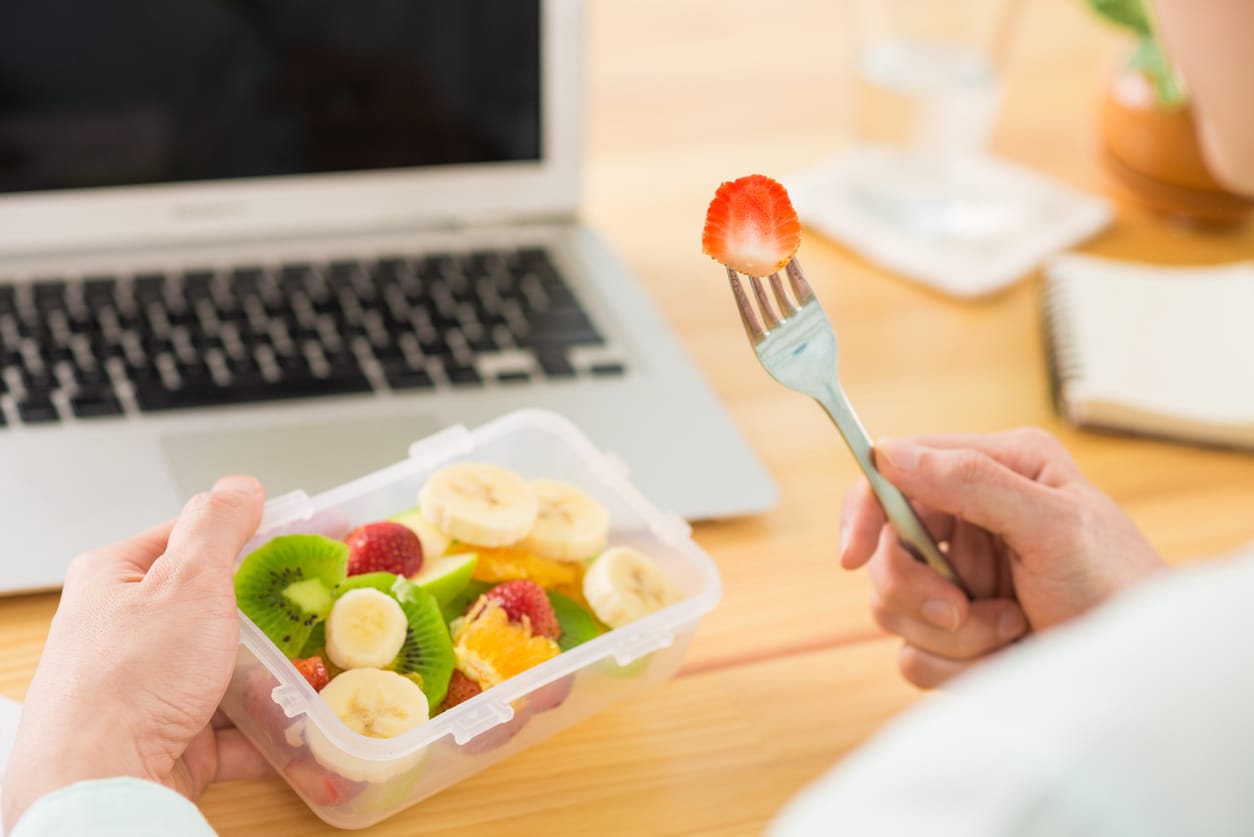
[{"x": 131, "y": 92}]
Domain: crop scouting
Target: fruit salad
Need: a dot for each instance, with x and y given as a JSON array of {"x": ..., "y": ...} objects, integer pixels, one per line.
[{"x": 408, "y": 617}]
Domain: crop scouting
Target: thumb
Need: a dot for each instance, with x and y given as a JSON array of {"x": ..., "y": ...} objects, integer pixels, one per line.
[
  {"x": 213, "y": 527},
  {"x": 967, "y": 484}
]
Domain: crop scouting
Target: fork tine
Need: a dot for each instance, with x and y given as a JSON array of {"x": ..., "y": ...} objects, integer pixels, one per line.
[
  {"x": 786, "y": 308},
  {"x": 764, "y": 304},
  {"x": 750, "y": 320},
  {"x": 800, "y": 287}
]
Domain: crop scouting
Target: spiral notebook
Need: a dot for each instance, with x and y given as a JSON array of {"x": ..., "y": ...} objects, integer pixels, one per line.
[{"x": 1163, "y": 351}]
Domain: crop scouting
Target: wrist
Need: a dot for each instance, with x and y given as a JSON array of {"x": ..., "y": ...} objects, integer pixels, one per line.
[{"x": 97, "y": 748}]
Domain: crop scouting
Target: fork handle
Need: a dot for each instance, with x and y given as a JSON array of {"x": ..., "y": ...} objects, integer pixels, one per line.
[{"x": 910, "y": 530}]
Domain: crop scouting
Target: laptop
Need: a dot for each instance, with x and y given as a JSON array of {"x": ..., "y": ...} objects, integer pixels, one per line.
[{"x": 289, "y": 240}]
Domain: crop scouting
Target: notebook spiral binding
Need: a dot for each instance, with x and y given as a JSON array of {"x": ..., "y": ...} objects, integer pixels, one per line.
[{"x": 1060, "y": 352}]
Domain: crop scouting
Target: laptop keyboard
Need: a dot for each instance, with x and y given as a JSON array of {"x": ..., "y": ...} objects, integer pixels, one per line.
[{"x": 108, "y": 345}]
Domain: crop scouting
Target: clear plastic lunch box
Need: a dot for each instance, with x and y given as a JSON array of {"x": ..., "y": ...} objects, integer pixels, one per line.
[{"x": 273, "y": 705}]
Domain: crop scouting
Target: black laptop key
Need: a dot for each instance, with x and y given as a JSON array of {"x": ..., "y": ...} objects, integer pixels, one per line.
[
  {"x": 49, "y": 295},
  {"x": 54, "y": 353},
  {"x": 294, "y": 277},
  {"x": 8, "y": 299},
  {"x": 608, "y": 370},
  {"x": 92, "y": 377},
  {"x": 555, "y": 364},
  {"x": 560, "y": 296},
  {"x": 516, "y": 376},
  {"x": 401, "y": 375},
  {"x": 95, "y": 404},
  {"x": 569, "y": 327},
  {"x": 37, "y": 410},
  {"x": 461, "y": 375},
  {"x": 38, "y": 384},
  {"x": 482, "y": 342},
  {"x": 246, "y": 282},
  {"x": 246, "y": 387},
  {"x": 434, "y": 344},
  {"x": 99, "y": 290},
  {"x": 148, "y": 287}
]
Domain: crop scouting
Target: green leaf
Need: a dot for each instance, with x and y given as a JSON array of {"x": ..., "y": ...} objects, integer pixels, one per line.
[
  {"x": 457, "y": 605},
  {"x": 1130, "y": 14},
  {"x": 578, "y": 625},
  {"x": 1150, "y": 60}
]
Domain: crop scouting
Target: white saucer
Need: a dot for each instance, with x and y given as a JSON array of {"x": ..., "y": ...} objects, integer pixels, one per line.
[{"x": 993, "y": 225}]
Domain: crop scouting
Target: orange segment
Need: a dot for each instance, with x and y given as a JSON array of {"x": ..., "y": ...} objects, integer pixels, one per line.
[
  {"x": 509, "y": 564},
  {"x": 491, "y": 649}
]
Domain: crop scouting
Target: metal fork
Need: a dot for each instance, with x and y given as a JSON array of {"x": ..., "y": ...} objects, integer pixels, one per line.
[{"x": 798, "y": 349}]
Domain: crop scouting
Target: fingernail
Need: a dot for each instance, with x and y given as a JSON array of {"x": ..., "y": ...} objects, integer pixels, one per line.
[
  {"x": 237, "y": 482},
  {"x": 941, "y": 614},
  {"x": 901, "y": 455},
  {"x": 1010, "y": 624},
  {"x": 843, "y": 544}
]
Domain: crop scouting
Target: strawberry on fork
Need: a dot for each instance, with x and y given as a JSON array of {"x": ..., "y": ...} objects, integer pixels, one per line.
[{"x": 751, "y": 226}]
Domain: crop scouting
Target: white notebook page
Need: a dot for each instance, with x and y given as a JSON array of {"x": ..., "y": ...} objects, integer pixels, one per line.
[{"x": 1175, "y": 342}]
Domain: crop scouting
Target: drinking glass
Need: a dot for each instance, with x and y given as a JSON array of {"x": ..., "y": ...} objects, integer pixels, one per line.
[{"x": 928, "y": 88}]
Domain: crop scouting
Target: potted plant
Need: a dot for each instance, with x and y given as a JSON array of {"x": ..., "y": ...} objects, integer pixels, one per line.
[{"x": 1149, "y": 141}]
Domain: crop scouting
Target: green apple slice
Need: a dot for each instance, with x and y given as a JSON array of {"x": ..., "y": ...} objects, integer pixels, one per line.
[
  {"x": 434, "y": 542},
  {"x": 380, "y": 581},
  {"x": 444, "y": 578}
]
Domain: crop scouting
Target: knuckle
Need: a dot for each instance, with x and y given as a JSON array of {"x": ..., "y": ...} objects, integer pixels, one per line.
[
  {"x": 885, "y": 617},
  {"x": 973, "y": 642},
  {"x": 969, "y": 467},
  {"x": 80, "y": 565},
  {"x": 210, "y": 504},
  {"x": 1036, "y": 437},
  {"x": 917, "y": 667},
  {"x": 890, "y": 585}
]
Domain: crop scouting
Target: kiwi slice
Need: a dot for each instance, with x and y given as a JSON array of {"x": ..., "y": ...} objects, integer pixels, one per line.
[
  {"x": 428, "y": 648},
  {"x": 379, "y": 581},
  {"x": 317, "y": 642},
  {"x": 286, "y": 586},
  {"x": 578, "y": 625},
  {"x": 457, "y": 605}
]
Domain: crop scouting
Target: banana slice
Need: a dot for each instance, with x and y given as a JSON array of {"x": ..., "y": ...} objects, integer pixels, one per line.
[
  {"x": 365, "y": 629},
  {"x": 570, "y": 526},
  {"x": 624, "y": 585},
  {"x": 376, "y": 704},
  {"x": 479, "y": 504}
]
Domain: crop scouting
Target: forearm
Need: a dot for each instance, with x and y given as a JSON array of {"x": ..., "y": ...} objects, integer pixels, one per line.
[{"x": 1209, "y": 42}]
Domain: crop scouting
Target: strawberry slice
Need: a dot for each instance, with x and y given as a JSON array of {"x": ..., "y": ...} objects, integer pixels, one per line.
[
  {"x": 751, "y": 226},
  {"x": 384, "y": 547},
  {"x": 323, "y": 788},
  {"x": 314, "y": 670},
  {"x": 460, "y": 689},
  {"x": 523, "y": 599}
]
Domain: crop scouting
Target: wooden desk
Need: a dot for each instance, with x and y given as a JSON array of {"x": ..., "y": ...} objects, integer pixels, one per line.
[{"x": 782, "y": 682}]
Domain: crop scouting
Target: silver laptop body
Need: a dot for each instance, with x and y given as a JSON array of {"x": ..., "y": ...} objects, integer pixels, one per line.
[{"x": 156, "y": 290}]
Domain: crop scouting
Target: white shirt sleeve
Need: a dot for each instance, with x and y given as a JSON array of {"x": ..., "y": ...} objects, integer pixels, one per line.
[
  {"x": 1136, "y": 720},
  {"x": 112, "y": 808}
]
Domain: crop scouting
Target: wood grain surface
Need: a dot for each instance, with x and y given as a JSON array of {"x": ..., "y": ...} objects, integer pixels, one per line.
[{"x": 789, "y": 673}]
